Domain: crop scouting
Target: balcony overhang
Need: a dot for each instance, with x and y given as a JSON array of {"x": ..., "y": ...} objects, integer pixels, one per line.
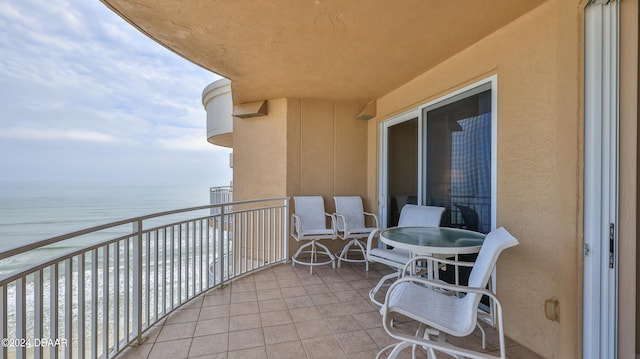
[{"x": 353, "y": 51}]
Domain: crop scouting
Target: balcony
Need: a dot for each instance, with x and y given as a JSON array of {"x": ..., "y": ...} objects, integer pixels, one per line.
[
  {"x": 283, "y": 312},
  {"x": 209, "y": 281}
]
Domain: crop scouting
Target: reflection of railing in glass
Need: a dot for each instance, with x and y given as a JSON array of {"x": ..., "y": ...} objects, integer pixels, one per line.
[
  {"x": 471, "y": 212},
  {"x": 133, "y": 279}
]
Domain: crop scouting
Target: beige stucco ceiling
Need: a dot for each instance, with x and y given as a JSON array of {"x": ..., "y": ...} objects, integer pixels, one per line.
[{"x": 350, "y": 50}]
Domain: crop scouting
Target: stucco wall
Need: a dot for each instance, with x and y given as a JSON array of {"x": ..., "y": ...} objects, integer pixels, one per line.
[
  {"x": 537, "y": 60},
  {"x": 302, "y": 147},
  {"x": 259, "y": 154},
  {"x": 327, "y": 152}
]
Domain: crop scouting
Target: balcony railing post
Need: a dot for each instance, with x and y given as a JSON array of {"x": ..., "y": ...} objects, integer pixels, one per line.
[
  {"x": 286, "y": 230},
  {"x": 137, "y": 281},
  {"x": 221, "y": 240}
]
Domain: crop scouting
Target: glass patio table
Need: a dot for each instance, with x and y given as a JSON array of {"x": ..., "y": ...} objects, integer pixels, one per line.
[
  {"x": 430, "y": 241},
  {"x": 433, "y": 240}
]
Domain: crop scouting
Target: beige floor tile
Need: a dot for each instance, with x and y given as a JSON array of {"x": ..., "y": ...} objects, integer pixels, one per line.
[
  {"x": 209, "y": 344},
  {"x": 316, "y": 288},
  {"x": 244, "y": 308},
  {"x": 264, "y": 275},
  {"x": 292, "y": 292},
  {"x": 312, "y": 329},
  {"x": 362, "y": 283},
  {"x": 214, "y": 300},
  {"x": 183, "y": 316},
  {"x": 286, "y": 274},
  {"x": 243, "y": 322},
  {"x": 342, "y": 324},
  {"x": 289, "y": 350},
  {"x": 176, "y": 331},
  {"x": 367, "y": 354},
  {"x": 210, "y": 356},
  {"x": 324, "y": 298},
  {"x": 275, "y": 318},
  {"x": 267, "y": 284},
  {"x": 272, "y": 305},
  {"x": 380, "y": 337},
  {"x": 243, "y": 287},
  {"x": 353, "y": 342},
  {"x": 269, "y": 294},
  {"x": 244, "y": 339},
  {"x": 280, "y": 334},
  {"x": 212, "y": 326},
  {"x": 347, "y": 295},
  {"x": 289, "y": 282},
  {"x": 369, "y": 320},
  {"x": 304, "y": 314},
  {"x": 251, "y": 353},
  {"x": 137, "y": 352},
  {"x": 218, "y": 311},
  {"x": 339, "y": 286},
  {"x": 299, "y": 302},
  {"x": 322, "y": 348},
  {"x": 243, "y": 297},
  {"x": 174, "y": 349},
  {"x": 193, "y": 303},
  {"x": 310, "y": 279}
]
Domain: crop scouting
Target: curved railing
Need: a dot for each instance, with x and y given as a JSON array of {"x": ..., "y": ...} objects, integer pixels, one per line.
[{"x": 99, "y": 296}]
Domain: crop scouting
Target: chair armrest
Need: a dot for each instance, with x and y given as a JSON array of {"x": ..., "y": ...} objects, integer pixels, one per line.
[
  {"x": 375, "y": 218},
  {"x": 340, "y": 218},
  {"x": 441, "y": 285},
  {"x": 334, "y": 228},
  {"x": 370, "y": 239},
  {"x": 296, "y": 223}
]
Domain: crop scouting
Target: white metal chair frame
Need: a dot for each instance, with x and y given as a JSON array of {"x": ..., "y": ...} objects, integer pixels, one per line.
[
  {"x": 442, "y": 309},
  {"x": 396, "y": 257},
  {"x": 300, "y": 233},
  {"x": 352, "y": 226}
]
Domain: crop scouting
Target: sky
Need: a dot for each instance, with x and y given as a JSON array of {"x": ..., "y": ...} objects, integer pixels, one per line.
[{"x": 86, "y": 97}]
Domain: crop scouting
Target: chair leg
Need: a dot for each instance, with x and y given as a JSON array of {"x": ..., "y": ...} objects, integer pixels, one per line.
[
  {"x": 313, "y": 261},
  {"x": 397, "y": 349},
  {"x": 344, "y": 254}
]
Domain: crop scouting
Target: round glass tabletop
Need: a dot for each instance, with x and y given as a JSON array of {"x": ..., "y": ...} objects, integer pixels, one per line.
[{"x": 430, "y": 240}]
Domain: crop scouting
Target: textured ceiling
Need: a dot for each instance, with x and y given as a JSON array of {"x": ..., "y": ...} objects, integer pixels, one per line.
[{"x": 348, "y": 50}]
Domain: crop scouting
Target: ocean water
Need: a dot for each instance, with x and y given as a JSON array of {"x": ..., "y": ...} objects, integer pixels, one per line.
[{"x": 34, "y": 211}]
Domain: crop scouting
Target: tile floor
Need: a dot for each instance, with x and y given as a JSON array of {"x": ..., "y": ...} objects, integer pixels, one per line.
[{"x": 284, "y": 312}]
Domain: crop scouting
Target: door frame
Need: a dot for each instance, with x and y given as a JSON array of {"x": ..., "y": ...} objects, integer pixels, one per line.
[{"x": 601, "y": 179}]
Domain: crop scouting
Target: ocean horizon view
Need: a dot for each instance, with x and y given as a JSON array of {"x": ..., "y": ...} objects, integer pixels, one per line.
[{"x": 31, "y": 211}]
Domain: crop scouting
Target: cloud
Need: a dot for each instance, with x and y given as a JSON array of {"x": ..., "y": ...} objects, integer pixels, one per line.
[
  {"x": 57, "y": 135},
  {"x": 74, "y": 73}
]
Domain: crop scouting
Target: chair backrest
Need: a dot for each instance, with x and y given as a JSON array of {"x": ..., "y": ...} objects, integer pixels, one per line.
[
  {"x": 495, "y": 242},
  {"x": 350, "y": 207},
  {"x": 414, "y": 215},
  {"x": 310, "y": 209}
]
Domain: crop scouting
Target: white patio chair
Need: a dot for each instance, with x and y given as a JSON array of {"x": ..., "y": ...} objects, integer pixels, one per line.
[
  {"x": 432, "y": 305},
  {"x": 411, "y": 215},
  {"x": 308, "y": 223},
  {"x": 350, "y": 219}
]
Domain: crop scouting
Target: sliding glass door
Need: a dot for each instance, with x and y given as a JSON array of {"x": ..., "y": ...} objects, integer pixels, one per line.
[
  {"x": 443, "y": 154},
  {"x": 457, "y": 160}
]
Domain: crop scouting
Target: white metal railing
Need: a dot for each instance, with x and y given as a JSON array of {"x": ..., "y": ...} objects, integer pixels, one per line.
[{"x": 94, "y": 300}]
